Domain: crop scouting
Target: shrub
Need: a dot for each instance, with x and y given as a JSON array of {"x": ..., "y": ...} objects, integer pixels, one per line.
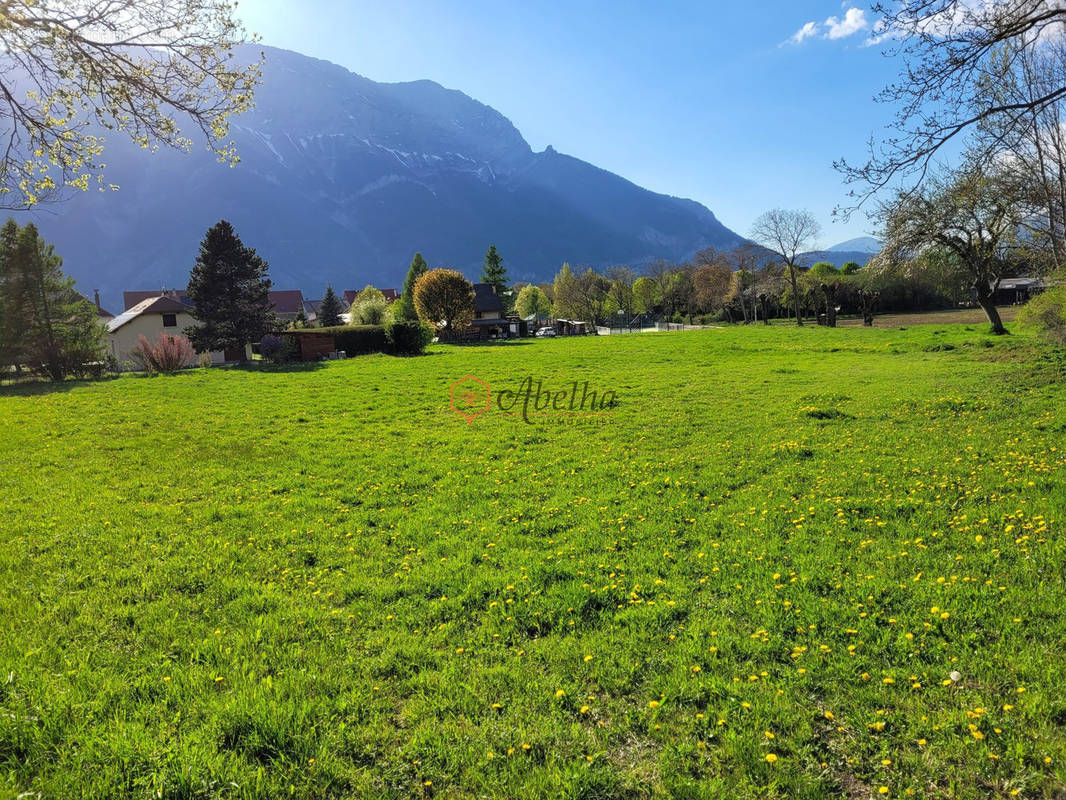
[
  {"x": 1046, "y": 314},
  {"x": 408, "y": 337},
  {"x": 290, "y": 349},
  {"x": 270, "y": 347},
  {"x": 358, "y": 339},
  {"x": 371, "y": 311},
  {"x": 204, "y": 360},
  {"x": 168, "y": 354}
]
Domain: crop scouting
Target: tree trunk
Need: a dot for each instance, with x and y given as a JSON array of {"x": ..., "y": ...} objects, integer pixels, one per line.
[
  {"x": 985, "y": 299},
  {"x": 795, "y": 293}
]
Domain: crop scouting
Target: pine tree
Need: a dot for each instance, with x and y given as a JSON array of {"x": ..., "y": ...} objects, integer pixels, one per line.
[
  {"x": 493, "y": 271},
  {"x": 231, "y": 291},
  {"x": 329, "y": 312},
  {"x": 13, "y": 322},
  {"x": 48, "y": 326},
  {"x": 405, "y": 307}
]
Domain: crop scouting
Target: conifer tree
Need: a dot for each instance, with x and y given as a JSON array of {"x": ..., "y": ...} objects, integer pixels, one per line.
[
  {"x": 405, "y": 307},
  {"x": 12, "y": 311},
  {"x": 47, "y": 325},
  {"x": 329, "y": 313},
  {"x": 231, "y": 292},
  {"x": 493, "y": 271}
]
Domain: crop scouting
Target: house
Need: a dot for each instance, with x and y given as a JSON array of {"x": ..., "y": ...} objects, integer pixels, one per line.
[
  {"x": 1016, "y": 291},
  {"x": 130, "y": 299},
  {"x": 490, "y": 320},
  {"x": 390, "y": 295},
  {"x": 287, "y": 304},
  {"x": 311, "y": 308},
  {"x": 571, "y": 327},
  {"x": 150, "y": 318}
]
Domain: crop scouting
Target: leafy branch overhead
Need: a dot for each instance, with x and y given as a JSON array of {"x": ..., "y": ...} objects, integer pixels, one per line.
[{"x": 149, "y": 69}]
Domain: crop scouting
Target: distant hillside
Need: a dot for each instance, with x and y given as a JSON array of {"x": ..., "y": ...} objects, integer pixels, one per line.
[
  {"x": 342, "y": 179},
  {"x": 836, "y": 257},
  {"x": 863, "y": 244}
]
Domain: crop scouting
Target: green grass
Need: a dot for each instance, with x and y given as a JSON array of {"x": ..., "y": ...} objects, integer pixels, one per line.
[{"x": 324, "y": 583}]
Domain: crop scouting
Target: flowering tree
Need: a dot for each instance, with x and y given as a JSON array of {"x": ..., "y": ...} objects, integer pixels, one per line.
[{"x": 139, "y": 67}]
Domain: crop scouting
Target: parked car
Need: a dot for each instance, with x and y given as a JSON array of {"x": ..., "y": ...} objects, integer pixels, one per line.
[{"x": 546, "y": 333}]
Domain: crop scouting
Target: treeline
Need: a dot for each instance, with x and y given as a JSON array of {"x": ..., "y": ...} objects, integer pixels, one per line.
[{"x": 745, "y": 285}]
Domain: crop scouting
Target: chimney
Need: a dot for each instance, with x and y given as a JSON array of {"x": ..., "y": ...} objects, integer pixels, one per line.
[{"x": 96, "y": 297}]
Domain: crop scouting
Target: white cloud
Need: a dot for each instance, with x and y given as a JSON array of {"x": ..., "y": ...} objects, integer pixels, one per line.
[
  {"x": 806, "y": 32},
  {"x": 854, "y": 21}
]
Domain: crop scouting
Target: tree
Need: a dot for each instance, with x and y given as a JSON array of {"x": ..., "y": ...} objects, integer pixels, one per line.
[
  {"x": 710, "y": 283},
  {"x": 567, "y": 294},
  {"x": 645, "y": 294},
  {"x": 494, "y": 272},
  {"x": 619, "y": 297},
  {"x": 369, "y": 293},
  {"x": 230, "y": 290},
  {"x": 744, "y": 259},
  {"x": 532, "y": 302},
  {"x": 826, "y": 278},
  {"x": 405, "y": 306},
  {"x": 592, "y": 292},
  {"x": 369, "y": 307},
  {"x": 850, "y": 267},
  {"x": 329, "y": 312},
  {"x": 659, "y": 271},
  {"x": 13, "y": 319},
  {"x": 739, "y": 289},
  {"x": 678, "y": 297},
  {"x": 135, "y": 66},
  {"x": 445, "y": 300},
  {"x": 787, "y": 233},
  {"x": 373, "y": 310},
  {"x": 1035, "y": 143},
  {"x": 301, "y": 320},
  {"x": 47, "y": 325},
  {"x": 949, "y": 48},
  {"x": 972, "y": 213}
]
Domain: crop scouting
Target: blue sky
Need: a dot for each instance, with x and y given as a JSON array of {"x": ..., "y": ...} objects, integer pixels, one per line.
[{"x": 720, "y": 102}]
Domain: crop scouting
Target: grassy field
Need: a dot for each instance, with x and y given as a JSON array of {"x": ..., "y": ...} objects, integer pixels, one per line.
[
  {"x": 783, "y": 563},
  {"x": 962, "y": 316}
]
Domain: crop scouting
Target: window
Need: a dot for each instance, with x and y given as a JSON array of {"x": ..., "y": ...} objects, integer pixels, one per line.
[{"x": 170, "y": 320}]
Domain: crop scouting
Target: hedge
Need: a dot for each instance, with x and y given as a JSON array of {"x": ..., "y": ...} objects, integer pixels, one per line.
[{"x": 357, "y": 340}]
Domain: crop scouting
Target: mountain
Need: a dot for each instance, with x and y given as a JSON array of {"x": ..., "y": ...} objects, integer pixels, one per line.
[
  {"x": 342, "y": 179},
  {"x": 863, "y": 244}
]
